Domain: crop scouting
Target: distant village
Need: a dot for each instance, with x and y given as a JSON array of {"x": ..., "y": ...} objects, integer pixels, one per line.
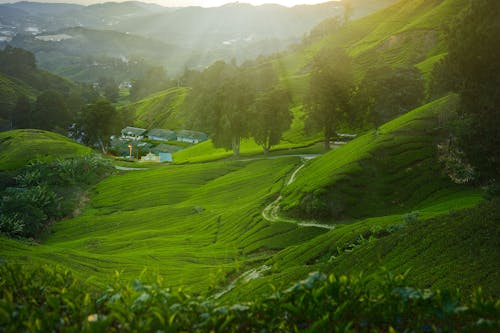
[{"x": 154, "y": 145}]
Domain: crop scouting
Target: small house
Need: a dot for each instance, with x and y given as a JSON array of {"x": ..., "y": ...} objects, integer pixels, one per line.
[
  {"x": 160, "y": 134},
  {"x": 150, "y": 157},
  {"x": 166, "y": 157},
  {"x": 133, "y": 133},
  {"x": 191, "y": 136}
]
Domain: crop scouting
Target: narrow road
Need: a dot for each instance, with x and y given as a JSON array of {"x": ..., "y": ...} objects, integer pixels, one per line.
[{"x": 271, "y": 212}]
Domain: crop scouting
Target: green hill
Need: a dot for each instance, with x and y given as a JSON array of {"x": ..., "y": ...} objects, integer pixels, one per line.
[
  {"x": 21, "y": 146},
  {"x": 390, "y": 205},
  {"x": 160, "y": 110},
  {"x": 409, "y": 32},
  {"x": 382, "y": 172}
]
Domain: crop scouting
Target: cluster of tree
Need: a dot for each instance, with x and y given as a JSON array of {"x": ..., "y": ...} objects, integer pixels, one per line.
[
  {"x": 83, "y": 109},
  {"x": 51, "y": 110},
  {"x": 472, "y": 69},
  {"x": 334, "y": 101},
  {"x": 231, "y": 103},
  {"x": 96, "y": 122}
]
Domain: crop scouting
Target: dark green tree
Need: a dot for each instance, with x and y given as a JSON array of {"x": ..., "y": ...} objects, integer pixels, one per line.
[
  {"x": 232, "y": 113},
  {"x": 220, "y": 103},
  {"x": 271, "y": 117},
  {"x": 387, "y": 92},
  {"x": 327, "y": 103},
  {"x": 97, "y": 122},
  {"x": 50, "y": 112},
  {"x": 474, "y": 48},
  {"x": 21, "y": 114}
]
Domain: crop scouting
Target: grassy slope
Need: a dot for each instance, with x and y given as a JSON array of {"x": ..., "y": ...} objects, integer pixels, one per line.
[
  {"x": 160, "y": 110},
  {"x": 455, "y": 249},
  {"x": 380, "y": 173},
  {"x": 20, "y": 146},
  {"x": 445, "y": 246},
  {"x": 191, "y": 223},
  {"x": 11, "y": 88}
]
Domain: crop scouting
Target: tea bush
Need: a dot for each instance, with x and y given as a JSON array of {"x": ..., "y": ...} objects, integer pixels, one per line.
[{"x": 43, "y": 299}]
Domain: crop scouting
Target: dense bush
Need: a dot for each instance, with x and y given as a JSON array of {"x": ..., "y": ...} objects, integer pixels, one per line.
[
  {"x": 44, "y": 299},
  {"x": 41, "y": 191}
]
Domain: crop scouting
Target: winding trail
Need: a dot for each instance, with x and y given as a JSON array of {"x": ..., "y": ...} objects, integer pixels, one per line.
[{"x": 271, "y": 212}]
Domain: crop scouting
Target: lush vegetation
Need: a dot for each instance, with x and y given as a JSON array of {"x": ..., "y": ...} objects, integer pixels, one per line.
[
  {"x": 403, "y": 197},
  {"x": 43, "y": 192},
  {"x": 49, "y": 298}
]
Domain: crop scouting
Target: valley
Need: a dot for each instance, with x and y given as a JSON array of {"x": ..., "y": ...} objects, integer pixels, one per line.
[{"x": 344, "y": 177}]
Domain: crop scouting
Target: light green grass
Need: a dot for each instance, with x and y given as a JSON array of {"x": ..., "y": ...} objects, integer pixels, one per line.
[
  {"x": 21, "y": 146},
  {"x": 190, "y": 223}
]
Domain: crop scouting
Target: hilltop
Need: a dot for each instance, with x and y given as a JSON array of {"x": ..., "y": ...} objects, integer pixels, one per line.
[{"x": 21, "y": 146}]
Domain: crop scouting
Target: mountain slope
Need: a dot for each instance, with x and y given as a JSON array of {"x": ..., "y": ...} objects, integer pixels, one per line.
[{"x": 408, "y": 32}]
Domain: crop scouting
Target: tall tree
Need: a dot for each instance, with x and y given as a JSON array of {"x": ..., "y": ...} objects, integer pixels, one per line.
[
  {"x": 219, "y": 104},
  {"x": 271, "y": 117},
  {"x": 474, "y": 46},
  {"x": 232, "y": 116},
  {"x": 98, "y": 121},
  {"x": 330, "y": 90},
  {"x": 50, "y": 112}
]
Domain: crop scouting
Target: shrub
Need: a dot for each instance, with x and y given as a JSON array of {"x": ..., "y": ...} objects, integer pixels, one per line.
[
  {"x": 38, "y": 194},
  {"x": 51, "y": 299}
]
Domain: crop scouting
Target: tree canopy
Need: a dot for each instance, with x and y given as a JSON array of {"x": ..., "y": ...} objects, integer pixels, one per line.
[{"x": 330, "y": 89}]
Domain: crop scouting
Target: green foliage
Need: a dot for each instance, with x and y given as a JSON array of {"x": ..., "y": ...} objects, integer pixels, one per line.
[
  {"x": 329, "y": 92},
  {"x": 35, "y": 195},
  {"x": 473, "y": 45},
  {"x": 271, "y": 117},
  {"x": 97, "y": 122},
  {"x": 50, "y": 112},
  {"x": 50, "y": 298},
  {"x": 385, "y": 93}
]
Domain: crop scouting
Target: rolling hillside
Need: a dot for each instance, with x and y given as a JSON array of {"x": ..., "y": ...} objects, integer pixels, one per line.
[
  {"x": 382, "y": 172},
  {"x": 21, "y": 146},
  {"x": 389, "y": 205},
  {"x": 406, "y": 33},
  {"x": 237, "y": 230}
]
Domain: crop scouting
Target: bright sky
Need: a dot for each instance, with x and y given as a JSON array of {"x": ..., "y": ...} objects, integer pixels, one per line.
[
  {"x": 183, "y": 3},
  {"x": 216, "y": 3}
]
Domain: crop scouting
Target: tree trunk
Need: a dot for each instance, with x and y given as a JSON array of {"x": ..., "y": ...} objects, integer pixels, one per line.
[
  {"x": 103, "y": 148},
  {"x": 236, "y": 146},
  {"x": 328, "y": 134}
]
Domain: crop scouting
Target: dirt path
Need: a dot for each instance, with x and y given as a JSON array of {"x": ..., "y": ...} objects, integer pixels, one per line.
[
  {"x": 117, "y": 167},
  {"x": 271, "y": 212}
]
